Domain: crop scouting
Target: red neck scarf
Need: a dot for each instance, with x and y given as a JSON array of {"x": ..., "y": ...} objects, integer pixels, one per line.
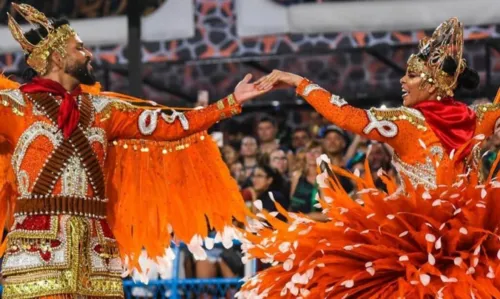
[
  {"x": 452, "y": 122},
  {"x": 69, "y": 115}
]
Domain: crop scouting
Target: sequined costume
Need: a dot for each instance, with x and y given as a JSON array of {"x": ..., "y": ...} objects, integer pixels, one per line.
[
  {"x": 437, "y": 237},
  {"x": 89, "y": 179},
  {"x": 60, "y": 240}
]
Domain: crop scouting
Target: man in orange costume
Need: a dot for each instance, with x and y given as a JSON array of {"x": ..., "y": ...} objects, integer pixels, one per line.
[{"x": 79, "y": 206}]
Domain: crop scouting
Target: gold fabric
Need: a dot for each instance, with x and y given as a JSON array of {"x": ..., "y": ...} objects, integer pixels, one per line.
[{"x": 77, "y": 277}]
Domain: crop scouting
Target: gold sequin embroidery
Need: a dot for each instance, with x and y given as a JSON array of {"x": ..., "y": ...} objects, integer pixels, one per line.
[
  {"x": 15, "y": 99},
  {"x": 413, "y": 116},
  {"x": 482, "y": 109}
]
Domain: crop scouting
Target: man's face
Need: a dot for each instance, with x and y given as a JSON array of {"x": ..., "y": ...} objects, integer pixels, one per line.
[
  {"x": 378, "y": 157},
  {"x": 266, "y": 131},
  {"x": 77, "y": 61},
  {"x": 334, "y": 143},
  {"x": 300, "y": 139}
]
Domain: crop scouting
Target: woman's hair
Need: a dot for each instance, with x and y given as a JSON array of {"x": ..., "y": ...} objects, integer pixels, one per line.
[
  {"x": 311, "y": 145},
  {"x": 277, "y": 183},
  {"x": 468, "y": 79}
]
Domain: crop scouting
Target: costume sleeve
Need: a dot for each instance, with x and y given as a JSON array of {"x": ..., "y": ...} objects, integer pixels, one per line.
[
  {"x": 138, "y": 123},
  {"x": 391, "y": 126},
  {"x": 488, "y": 117}
]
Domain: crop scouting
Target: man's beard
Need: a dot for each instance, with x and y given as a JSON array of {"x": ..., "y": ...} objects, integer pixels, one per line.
[{"x": 82, "y": 73}]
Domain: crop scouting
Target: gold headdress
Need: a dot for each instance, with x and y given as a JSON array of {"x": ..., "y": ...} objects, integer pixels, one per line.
[
  {"x": 55, "y": 40},
  {"x": 446, "y": 43}
]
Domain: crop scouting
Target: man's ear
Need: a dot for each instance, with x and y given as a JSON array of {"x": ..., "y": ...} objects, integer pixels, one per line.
[{"x": 56, "y": 60}]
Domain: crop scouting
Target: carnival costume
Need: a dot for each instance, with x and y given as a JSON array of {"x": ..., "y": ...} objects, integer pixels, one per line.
[
  {"x": 435, "y": 237},
  {"x": 89, "y": 179}
]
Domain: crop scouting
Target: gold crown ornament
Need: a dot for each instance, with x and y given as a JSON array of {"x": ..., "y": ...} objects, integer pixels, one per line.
[
  {"x": 446, "y": 42},
  {"x": 55, "y": 40}
]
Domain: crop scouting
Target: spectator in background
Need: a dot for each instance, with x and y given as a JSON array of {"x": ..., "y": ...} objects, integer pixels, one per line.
[
  {"x": 233, "y": 132},
  {"x": 379, "y": 157},
  {"x": 249, "y": 155},
  {"x": 238, "y": 173},
  {"x": 267, "y": 130},
  {"x": 229, "y": 154},
  {"x": 267, "y": 180},
  {"x": 220, "y": 262},
  {"x": 359, "y": 144},
  {"x": 278, "y": 160},
  {"x": 335, "y": 141},
  {"x": 490, "y": 154},
  {"x": 491, "y": 146},
  {"x": 300, "y": 138},
  {"x": 303, "y": 188},
  {"x": 356, "y": 165},
  {"x": 316, "y": 122}
]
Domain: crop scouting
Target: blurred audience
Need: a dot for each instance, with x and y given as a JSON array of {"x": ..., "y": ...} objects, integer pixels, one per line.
[{"x": 267, "y": 130}]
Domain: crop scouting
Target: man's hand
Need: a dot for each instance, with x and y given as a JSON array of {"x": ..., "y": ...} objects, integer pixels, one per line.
[{"x": 245, "y": 90}]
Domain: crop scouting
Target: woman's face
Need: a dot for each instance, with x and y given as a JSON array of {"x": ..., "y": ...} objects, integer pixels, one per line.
[
  {"x": 313, "y": 154},
  {"x": 248, "y": 147},
  {"x": 237, "y": 172},
  {"x": 230, "y": 155},
  {"x": 415, "y": 90},
  {"x": 279, "y": 161},
  {"x": 260, "y": 180}
]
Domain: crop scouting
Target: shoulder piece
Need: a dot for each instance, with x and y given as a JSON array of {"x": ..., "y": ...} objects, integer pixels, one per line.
[
  {"x": 13, "y": 98},
  {"x": 413, "y": 116},
  {"x": 104, "y": 104},
  {"x": 14, "y": 95},
  {"x": 482, "y": 109}
]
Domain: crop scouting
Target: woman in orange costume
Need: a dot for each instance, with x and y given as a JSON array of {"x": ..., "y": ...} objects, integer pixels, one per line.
[
  {"x": 436, "y": 236},
  {"x": 89, "y": 179}
]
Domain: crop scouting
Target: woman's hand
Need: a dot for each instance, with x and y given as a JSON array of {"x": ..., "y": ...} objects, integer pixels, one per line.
[{"x": 277, "y": 78}]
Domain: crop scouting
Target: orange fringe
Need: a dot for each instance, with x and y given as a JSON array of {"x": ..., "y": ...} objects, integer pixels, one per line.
[
  {"x": 154, "y": 186},
  {"x": 441, "y": 243},
  {"x": 159, "y": 189}
]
